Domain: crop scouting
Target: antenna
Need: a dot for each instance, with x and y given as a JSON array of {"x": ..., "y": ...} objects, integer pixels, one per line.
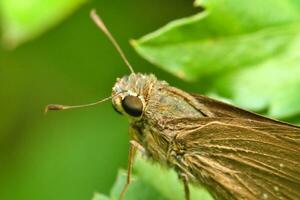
[
  {"x": 65, "y": 107},
  {"x": 98, "y": 21}
]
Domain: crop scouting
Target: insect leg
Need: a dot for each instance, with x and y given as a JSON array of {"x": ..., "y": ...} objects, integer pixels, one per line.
[
  {"x": 132, "y": 150},
  {"x": 185, "y": 182}
]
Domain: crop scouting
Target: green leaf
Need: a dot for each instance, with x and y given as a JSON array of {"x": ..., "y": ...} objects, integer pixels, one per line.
[
  {"x": 151, "y": 181},
  {"x": 100, "y": 197},
  {"x": 25, "y": 20},
  {"x": 136, "y": 190},
  {"x": 166, "y": 181},
  {"x": 243, "y": 50},
  {"x": 272, "y": 84}
]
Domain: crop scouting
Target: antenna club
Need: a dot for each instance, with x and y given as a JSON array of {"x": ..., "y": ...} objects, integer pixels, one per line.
[
  {"x": 93, "y": 12},
  {"x": 98, "y": 21},
  {"x": 54, "y": 107}
]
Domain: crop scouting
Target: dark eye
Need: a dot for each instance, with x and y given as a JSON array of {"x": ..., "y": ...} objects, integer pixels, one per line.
[{"x": 132, "y": 105}]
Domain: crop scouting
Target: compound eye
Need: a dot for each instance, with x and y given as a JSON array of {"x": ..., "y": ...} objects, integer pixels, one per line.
[{"x": 132, "y": 105}]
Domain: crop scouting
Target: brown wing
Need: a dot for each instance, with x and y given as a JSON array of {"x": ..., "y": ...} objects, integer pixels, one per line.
[
  {"x": 221, "y": 109},
  {"x": 240, "y": 158}
]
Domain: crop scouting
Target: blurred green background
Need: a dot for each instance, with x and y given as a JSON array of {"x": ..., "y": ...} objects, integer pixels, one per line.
[{"x": 71, "y": 154}]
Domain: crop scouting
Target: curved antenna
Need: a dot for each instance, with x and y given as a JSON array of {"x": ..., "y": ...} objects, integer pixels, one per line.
[
  {"x": 65, "y": 107},
  {"x": 98, "y": 21}
]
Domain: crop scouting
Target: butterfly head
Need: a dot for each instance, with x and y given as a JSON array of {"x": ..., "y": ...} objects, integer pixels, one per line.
[{"x": 130, "y": 93}]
